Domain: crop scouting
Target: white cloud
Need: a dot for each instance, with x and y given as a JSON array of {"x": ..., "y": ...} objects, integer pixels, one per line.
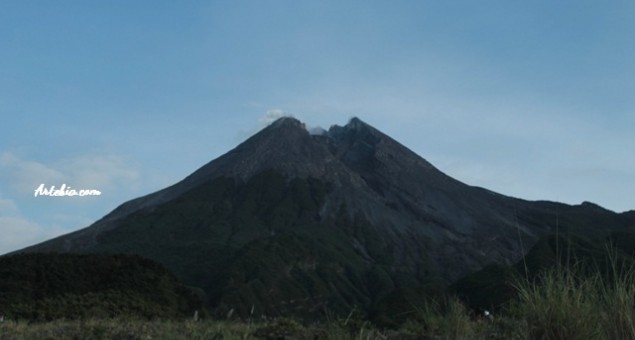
[
  {"x": 272, "y": 115},
  {"x": 7, "y": 207},
  {"x": 269, "y": 117},
  {"x": 26, "y": 175},
  {"x": 100, "y": 172},
  {"x": 25, "y": 220},
  {"x": 17, "y": 232}
]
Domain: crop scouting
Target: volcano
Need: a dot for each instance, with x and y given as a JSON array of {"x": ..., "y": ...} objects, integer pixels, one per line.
[{"x": 294, "y": 223}]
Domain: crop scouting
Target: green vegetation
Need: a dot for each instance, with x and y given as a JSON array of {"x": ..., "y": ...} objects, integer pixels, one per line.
[
  {"x": 117, "y": 329},
  {"x": 562, "y": 304},
  {"x": 53, "y": 286},
  {"x": 571, "y": 301},
  {"x": 575, "y": 302}
]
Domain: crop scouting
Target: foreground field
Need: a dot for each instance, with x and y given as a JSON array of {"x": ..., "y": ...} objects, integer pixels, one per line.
[
  {"x": 563, "y": 303},
  {"x": 277, "y": 329},
  {"x": 559, "y": 306}
]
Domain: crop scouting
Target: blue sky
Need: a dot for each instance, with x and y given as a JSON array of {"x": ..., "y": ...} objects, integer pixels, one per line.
[{"x": 532, "y": 99}]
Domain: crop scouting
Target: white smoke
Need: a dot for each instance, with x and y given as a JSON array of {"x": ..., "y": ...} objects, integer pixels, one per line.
[
  {"x": 317, "y": 130},
  {"x": 273, "y": 115}
]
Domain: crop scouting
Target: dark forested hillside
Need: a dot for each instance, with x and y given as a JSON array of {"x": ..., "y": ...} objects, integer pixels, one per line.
[{"x": 45, "y": 286}]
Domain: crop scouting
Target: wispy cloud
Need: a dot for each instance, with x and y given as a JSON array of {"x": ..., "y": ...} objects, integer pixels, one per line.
[
  {"x": 101, "y": 172},
  {"x": 7, "y": 207},
  {"x": 25, "y": 175},
  {"x": 18, "y": 231},
  {"x": 272, "y": 115},
  {"x": 25, "y": 220}
]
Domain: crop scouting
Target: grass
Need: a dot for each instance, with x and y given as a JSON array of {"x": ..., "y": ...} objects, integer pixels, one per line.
[
  {"x": 563, "y": 303},
  {"x": 575, "y": 303},
  {"x": 560, "y": 306},
  {"x": 123, "y": 329},
  {"x": 101, "y": 329}
]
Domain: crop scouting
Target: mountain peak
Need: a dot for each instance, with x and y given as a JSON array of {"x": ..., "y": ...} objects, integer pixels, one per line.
[
  {"x": 353, "y": 124},
  {"x": 287, "y": 129},
  {"x": 285, "y": 122},
  {"x": 356, "y": 123},
  {"x": 355, "y": 129}
]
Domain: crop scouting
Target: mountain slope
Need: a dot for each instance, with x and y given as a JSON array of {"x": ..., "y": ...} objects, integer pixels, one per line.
[{"x": 294, "y": 223}]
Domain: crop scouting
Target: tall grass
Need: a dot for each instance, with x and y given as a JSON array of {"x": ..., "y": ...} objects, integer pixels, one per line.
[
  {"x": 443, "y": 319},
  {"x": 558, "y": 305},
  {"x": 574, "y": 303},
  {"x": 566, "y": 302},
  {"x": 617, "y": 297},
  {"x": 122, "y": 329},
  {"x": 575, "y": 300}
]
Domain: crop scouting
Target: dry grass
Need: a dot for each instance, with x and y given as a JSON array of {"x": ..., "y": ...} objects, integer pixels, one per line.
[
  {"x": 561, "y": 304},
  {"x": 570, "y": 303}
]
